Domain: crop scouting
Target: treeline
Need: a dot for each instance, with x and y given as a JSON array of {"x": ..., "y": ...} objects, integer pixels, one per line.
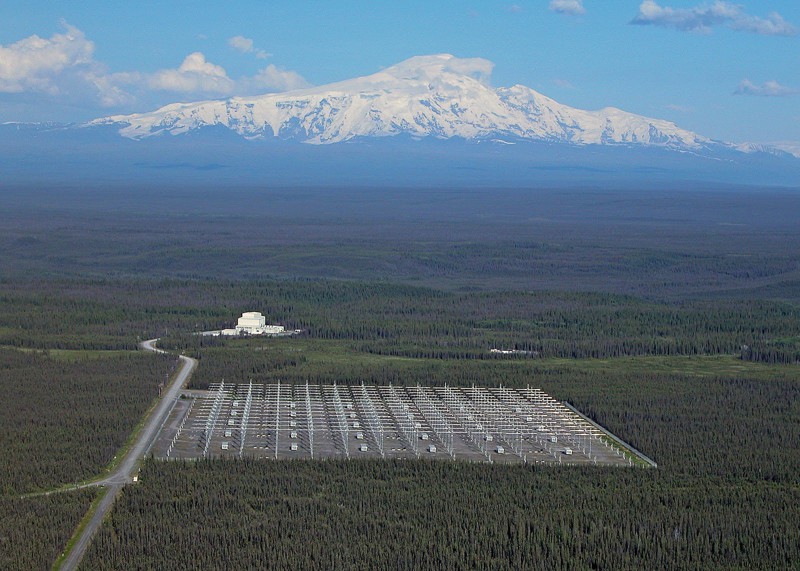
[
  {"x": 217, "y": 364},
  {"x": 778, "y": 351},
  {"x": 464, "y": 241},
  {"x": 711, "y": 425},
  {"x": 717, "y": 427},
  {"x": 34, "y": 530},
  {"x": 64, "y": 421},
  {"x": 441, "y": 515},
  {"x": 392, "y": 320},
  {"x": 725, "y": 494}
]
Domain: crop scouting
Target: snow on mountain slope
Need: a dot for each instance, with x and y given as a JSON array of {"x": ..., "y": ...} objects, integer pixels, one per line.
[
  {"x": 437, "y": 96},
  {"x": 779, "y": 148}
]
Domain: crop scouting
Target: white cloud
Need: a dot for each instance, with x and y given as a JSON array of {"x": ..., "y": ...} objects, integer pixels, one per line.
[
  {"x": 109, "y": 90},
  {"x": 767, "y": 89},
  {"x": 246, "y": 46},
  {"x": 200, "y": 77},
  {"x": 240, "y": 43},
  {"x": 571, "y": 7},
  {"x": 272, "y": 78},
  {"x": 63, "y": 69},
  {"x": 563, "y": 83},
  {"x": 62, "y": 66},
  {"x": 195, "y": 75},
  {"x": 704, "y": 17},
  {"x": 479, "y": 68},
  {"x": 35, "y": 64},
  {"x": 773, "y": 25}
]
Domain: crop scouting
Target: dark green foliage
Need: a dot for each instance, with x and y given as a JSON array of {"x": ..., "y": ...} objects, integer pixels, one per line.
[
  {"x": 64, "y": 420},
  {"x": 773, "y": 351},
  {"x": 394, "y": 320},
  {"x": 439, "y": 515},
  {"x": 660, "y": 243},
  {"x": 33, "y": 531},
  {"x": 681, "y": 273},
  {"x": 240, "y": 366},
  {"x": 717, "y": 427},
  {"x": 725, "y": 495}
]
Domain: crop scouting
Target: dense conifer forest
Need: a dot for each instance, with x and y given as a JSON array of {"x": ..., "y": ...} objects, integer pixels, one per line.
[
  {"x": 725, "y": 494},
  {"x": 434, "y": 515},
  {"x": 67, "y": 417},
  {"x": 396, "y": 320},
  {"x": 685, "y": 242},
  {"x": 673, "y": 380},
  {"x": 34, "y": 530},
  {"x": 671, "y": 319}
]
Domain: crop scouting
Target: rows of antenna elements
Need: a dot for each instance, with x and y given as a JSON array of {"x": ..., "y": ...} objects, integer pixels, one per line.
[{"x": 322, "y": 421}]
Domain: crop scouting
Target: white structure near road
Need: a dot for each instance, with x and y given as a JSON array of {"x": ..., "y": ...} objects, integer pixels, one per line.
[{"x": 253, "y": 323}]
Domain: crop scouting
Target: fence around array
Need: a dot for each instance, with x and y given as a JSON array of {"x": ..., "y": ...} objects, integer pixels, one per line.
[{"x": 388, "y": 421}]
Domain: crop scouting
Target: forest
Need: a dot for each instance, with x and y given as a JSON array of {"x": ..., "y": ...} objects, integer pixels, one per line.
[
  {"x": 65, "y": 418},
  {"x": 723, "y": 427},
  {"x": 695, "y": 513},
  {"x": 34, "y": 530},
  {"x": 725, "y": 434},
  {"x": 670, "y": 318},
  {"x": 672, "y": 243},
  {"x": 68, "y": 419},
  {"x": 398, "y": 320}
]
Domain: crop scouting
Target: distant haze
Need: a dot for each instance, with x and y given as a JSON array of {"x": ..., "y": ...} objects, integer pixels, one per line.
[
  {"x": 427, "y": 121},
  {"x": 725, "y": 69}
]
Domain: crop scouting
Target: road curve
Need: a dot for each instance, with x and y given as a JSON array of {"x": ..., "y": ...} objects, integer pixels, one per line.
[{"x": 130, "y": 463}]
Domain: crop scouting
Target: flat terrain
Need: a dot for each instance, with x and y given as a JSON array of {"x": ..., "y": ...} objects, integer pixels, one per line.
[
  {"x": 283, "y": 421},
  {"x": 669, "y": 316},
  {"x": 69, "y": 415},
  {"x": 67, "y": 419},
  {"x": 34, "y": 530},
  {"x": 124, "y": 472},
  {"x": 679, "y": 242}
]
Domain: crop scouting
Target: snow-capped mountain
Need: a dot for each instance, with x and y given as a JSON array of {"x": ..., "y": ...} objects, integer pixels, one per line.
[
  {"x": 437, "y": 96},
  {"x": 779, "y": 148}
]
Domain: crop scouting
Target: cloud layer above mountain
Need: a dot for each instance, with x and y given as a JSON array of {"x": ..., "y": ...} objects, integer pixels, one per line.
[
  {"x": 36, "y": 64},
  {"x": 64, "y": 66},
  {"x": 767, "y": 89},
  {"x": 704, "y": 17},
  {"x": 571, "y": 7},
  {"x": 247, "y": 46}
]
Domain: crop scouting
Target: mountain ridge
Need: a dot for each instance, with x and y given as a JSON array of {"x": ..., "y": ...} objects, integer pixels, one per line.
[
  {"x": 428, "y": 121},
  {"x": 437, "y": 96}
]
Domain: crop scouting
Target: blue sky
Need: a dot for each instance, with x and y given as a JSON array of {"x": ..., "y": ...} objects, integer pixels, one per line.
[{"x": 727, "y": 70}]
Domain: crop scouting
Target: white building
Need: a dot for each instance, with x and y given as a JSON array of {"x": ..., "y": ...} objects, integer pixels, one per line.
[
  {"x": 251, "y": 320},
  {"x": 250, "y": 323},
  {"x": 253, "y": 323}
]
